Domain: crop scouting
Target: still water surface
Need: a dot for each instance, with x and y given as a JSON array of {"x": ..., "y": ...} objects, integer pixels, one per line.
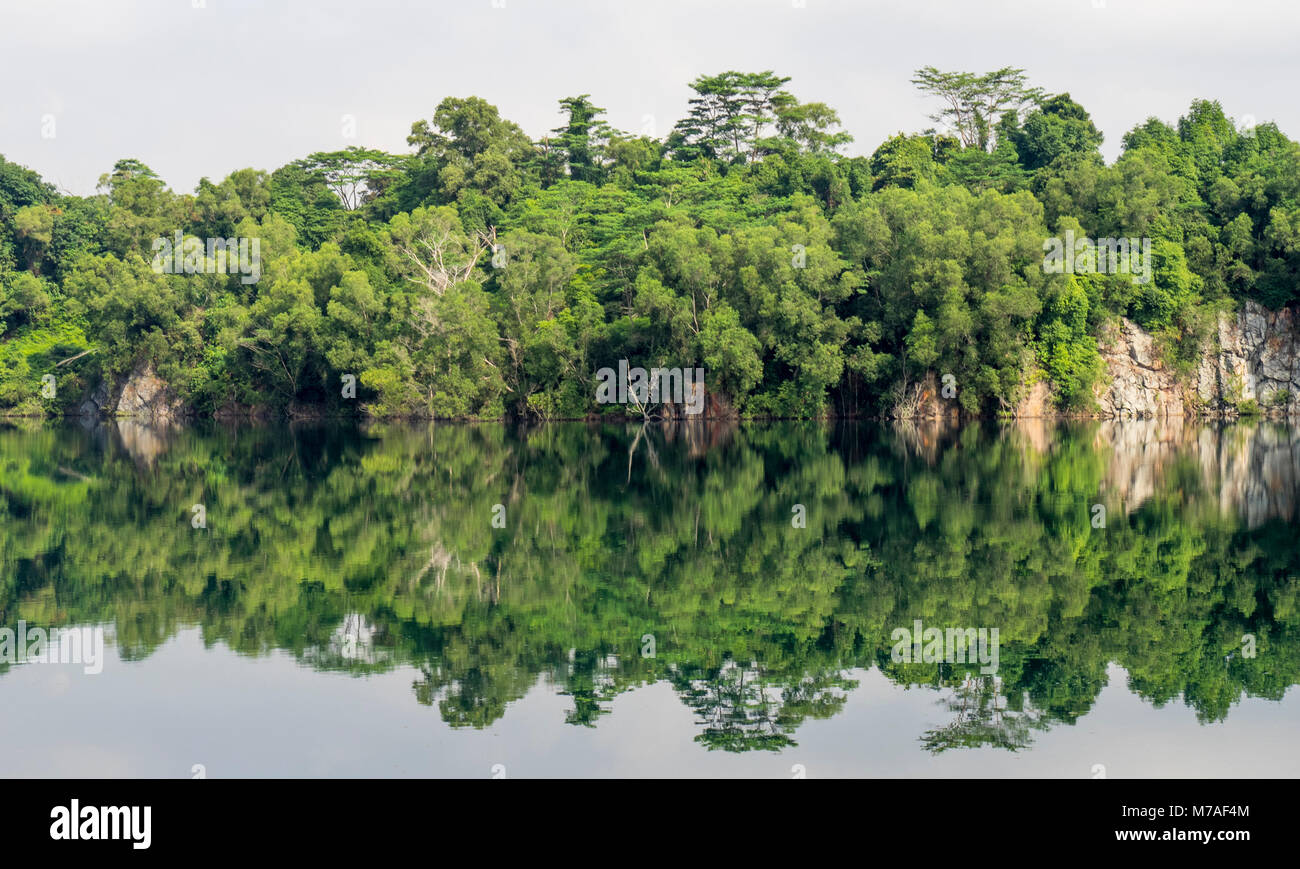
[{"x": 597, "y": 600}]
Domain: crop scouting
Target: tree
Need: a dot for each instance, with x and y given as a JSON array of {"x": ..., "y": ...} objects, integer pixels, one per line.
[
  {"x": 580, "y": 138},
  {"x": 141, "y": 208},
  {"x": 243, "y": 193},
  {"x": 810, "y": 126},
  {"x": 730, "y": 114},
  {"x": 1058, "y": 126},
  {"x": 532, "y": 294},
  {"x": 974, "y": 103},
  {"x": 356, "y": 175},
  {"x": 435, "y": 253},
  {"x": 34, "y": 226},
  {"x": 481, "y": 157},
  {"x": 443, "y": 361},
  {"x": 132, "y": 313},
  {"x": 902, "y": 161}
]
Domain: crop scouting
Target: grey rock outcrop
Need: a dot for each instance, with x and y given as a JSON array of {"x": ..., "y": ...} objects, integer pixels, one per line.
[
  {"x": 1257, "y": 359},
  {"x": 1140, "y": 384},
  {"x": 95, "y": 403},
  {"x": 1255, "y": 356},
  {"x": 145, "y": 394}
]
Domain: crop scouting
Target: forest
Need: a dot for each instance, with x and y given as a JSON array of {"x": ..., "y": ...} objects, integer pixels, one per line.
[{"x": 488, "y": 274}]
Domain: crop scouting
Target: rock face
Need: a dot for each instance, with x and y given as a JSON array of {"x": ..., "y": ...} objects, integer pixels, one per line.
[
  {"x": 95, "y": 403},
  {"x": 925, "y": 399},
  {"x": 1258, "y": 360},
  {"x": 1256, "y": 357},
  {"x": 1036, "y": 403},
  {"x": 1140, "y": 385},
  {"x": 146, "y": 395}
]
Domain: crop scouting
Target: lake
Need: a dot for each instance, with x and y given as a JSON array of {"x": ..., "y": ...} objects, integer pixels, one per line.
[{"x": 572, "y": 599}]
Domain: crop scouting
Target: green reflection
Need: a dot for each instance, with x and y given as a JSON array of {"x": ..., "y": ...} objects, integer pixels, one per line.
[{"x": 365, "y": 549}]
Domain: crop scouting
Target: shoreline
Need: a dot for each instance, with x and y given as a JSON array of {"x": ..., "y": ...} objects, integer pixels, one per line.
[{"x": 1263, "y": 415}]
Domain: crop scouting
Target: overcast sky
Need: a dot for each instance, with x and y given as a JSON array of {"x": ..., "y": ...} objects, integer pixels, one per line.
[{"x": 203, "y": 91}]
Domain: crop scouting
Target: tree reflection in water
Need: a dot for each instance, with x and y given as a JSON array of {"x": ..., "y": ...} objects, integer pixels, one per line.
[{"x": 361, "y": 550}]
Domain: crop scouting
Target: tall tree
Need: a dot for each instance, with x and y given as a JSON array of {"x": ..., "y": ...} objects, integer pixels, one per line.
[
  {"x": 730, "y": 113},
  {"x": 973, "y": 103},
  {"x": 579, "y": 138}
]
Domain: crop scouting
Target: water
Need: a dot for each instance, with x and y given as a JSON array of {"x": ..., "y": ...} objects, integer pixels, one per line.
[{"x": 699, "y": 600}]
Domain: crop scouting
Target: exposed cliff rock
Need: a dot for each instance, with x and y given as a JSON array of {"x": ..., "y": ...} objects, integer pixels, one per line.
[
  {"x": 1254, "y": 357},
  {"x": 1136, "y": 383},
  {"x": 925, "y": 400},
  {"x": 1257, "y": 359},
  {"x": 95, "y": 403},
  {"x": 145, "y": 394},
  {"x": 1035, "y": 401}
]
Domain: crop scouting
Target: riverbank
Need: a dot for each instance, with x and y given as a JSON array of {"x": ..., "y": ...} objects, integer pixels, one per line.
[{"x": 1250, "y": 367}]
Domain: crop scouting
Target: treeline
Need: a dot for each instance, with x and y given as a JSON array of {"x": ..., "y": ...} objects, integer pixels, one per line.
[
  {"x": 366, "y": 550},
  {"x": 487, "y": 273}
]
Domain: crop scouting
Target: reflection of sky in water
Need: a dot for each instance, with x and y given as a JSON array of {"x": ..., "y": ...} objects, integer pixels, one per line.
[{"x": 240, "y": 716}]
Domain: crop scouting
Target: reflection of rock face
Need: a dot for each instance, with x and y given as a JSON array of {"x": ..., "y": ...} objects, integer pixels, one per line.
[
  {"x": 1036, "y": 431},
  {"x": 145, "y": 394},
  {"x": 1142, "y": 451},
  {"x": 143, "y": 441},
  {"x": 1257, "y": 358},
  {"x": 700, "y": 434},
  {"x": 924, "y": 437},
  {"x": 1254, "y": 469}
]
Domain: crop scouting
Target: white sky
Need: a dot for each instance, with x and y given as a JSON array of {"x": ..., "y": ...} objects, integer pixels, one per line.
[{"x": 203, "y": 91}]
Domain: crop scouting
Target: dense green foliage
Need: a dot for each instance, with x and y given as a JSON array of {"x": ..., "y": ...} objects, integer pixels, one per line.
[
  {"x": 610, "y": 533},
  {"x": 486, "y": 274}
]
